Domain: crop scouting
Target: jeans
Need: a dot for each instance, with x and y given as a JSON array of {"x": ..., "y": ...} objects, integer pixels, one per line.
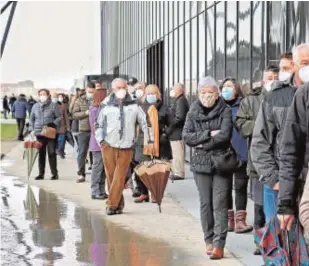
[
  {"x": 20, "y": 125},
  {"x": 270, "y": 202},
  {"x": 50, "y": 146},
  {"x": 213, "y": 193},
  {"x": 83, "y": 139},
  {"x": 240, "y": 185},
  {"x": 61, "y": 143}
]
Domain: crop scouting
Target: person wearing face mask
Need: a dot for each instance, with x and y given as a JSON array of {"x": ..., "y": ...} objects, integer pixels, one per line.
[
  {"x": 158, "y": 117},
  {"x": 45, "y": 113},
  {"x": 232, "y": 95},
  {"x": 294, "y": 148},
  {"x": 140, "y": 92},
  {"x": 208, "y": 129},
  {"x": 268, "y": 132},
  {"x": 116, "y": 133},
  {"x": 131, "y": 87},
  {"x": 270, "y": 75},
  {"x": 286, "y": 66},
  {"x": 74, "y": 123},
  {"x": 80, "y": 112},
  {"x": 178, "y": 110},
  {"x": 64, "y": 125}
]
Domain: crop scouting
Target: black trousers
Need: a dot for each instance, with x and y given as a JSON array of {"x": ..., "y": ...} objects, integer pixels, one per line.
[
  {"x": 20, "y": 126},
  {"x": 50, "y": 146},
  {"x": 240, "y": 185},
  {"x": 259, "y": 216}
]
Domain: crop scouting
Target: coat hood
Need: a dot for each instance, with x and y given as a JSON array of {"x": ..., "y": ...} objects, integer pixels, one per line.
[
  {"x": 112, "y": 100},
  {"x": 200, "y": 113}
]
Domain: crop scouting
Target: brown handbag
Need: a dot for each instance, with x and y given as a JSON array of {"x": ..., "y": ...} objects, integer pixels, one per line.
[{"x": 48, "y": 132}]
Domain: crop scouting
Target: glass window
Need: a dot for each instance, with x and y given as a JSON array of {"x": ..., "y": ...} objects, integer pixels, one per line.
[
  {"x": 277, "y": 36},
  {"x": 181, "y": 64},
  {"x": 187, "y": 10},
  {"x": 210, "y": 42},
  {"x": 187, "y": 60},
  {"x": 166, "y": 16},
  {"x": 202, "y": 45},
  {"x": 298, "y": 19},
  {"x": 175, "y": 52},
  {"x": 244, "y": 43},
  {"x": 170, "y": 15},
  {"x": 231, "y": 39},
  {"x": 176, "y": 13},
  {"x": 194, "y": 43},
  {"x": 258, "y": 61},
  {"x": 181, "y": 12},
  {"x": 220, "y": 41}
]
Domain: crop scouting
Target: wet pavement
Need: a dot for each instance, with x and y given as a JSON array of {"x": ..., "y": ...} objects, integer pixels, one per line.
[{"x": 39, "y": 228}]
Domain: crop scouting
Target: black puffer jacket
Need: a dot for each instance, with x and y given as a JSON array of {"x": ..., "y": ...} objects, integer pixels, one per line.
[
  {"x": 178, "y": 111},
  {"x": 294, "y": 152},
  {"x": 268, "y": 130},
  {"x": 164, "y": 148},
  {"x": 199, "y": 123},
  {"x": 245, "y": 120}
]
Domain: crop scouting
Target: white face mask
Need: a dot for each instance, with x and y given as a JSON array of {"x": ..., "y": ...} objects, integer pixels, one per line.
[
  {"x": 283, "y": 75},
  {"x": 120, "y": 94},
  {"x": 43, "y": 98},
  {"x": 131, "y": 89},
  {"x": 304, "y": 74},
  {"x": 172, "y": 94},
  {"x": 60, "y": 99},
  {"x": 139, "y": 94},
  {"x": 268, "y": 85}
]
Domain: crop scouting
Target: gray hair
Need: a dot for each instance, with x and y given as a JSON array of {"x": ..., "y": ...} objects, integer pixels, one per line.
[
  {"x": 297, "y": 49},
  {"x": 208, "y": 82},
  {"x": 116, "y": 80},
  {"x": 180, "y": 85}
]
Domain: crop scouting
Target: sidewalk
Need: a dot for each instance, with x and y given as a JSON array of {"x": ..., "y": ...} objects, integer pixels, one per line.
[{"x": 174, "y": 225}]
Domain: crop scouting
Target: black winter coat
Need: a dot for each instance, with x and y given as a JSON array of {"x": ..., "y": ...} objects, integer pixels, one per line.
[
  {"x": 199, "y": 123},
  {"x": 165, "y": 147},
  {"x": 294, "y": 152},
  {"x": 178, "y": 111},
  {"x": 268, "y": 130}
]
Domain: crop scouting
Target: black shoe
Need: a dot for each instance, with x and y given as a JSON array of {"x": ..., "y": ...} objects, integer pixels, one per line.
[
  {"x": 104, "y": 195},
  {"x": 176, "y": 177},
  {"x": 54, "y": 177},
  {"x": 39, "y": 177},
  {"x": 62, "y": 156},
  {"x": 136, "y": 193},
  {"x": 110, "y": 211},
  {"x": 98, "y": 197},
  {"x": 119, "y": 211},
  {"x": 89, "y": 168}
]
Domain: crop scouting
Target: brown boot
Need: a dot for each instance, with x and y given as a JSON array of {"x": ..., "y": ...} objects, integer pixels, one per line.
[
  {"x": 217, "y": 254},
  {"x": 209, "y": 249},
  {"x": 241, "y": 225},
  {"x": 231, "y": 221}
]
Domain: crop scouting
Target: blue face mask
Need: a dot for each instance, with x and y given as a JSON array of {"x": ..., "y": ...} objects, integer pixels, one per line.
[
  {"x": 151, "y": 98},
  {"x": 227, "y": 93},
  {"x": 54, "y": 100}
]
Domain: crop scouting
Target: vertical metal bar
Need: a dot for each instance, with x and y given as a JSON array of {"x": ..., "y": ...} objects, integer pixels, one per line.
[
  {"x": 263, "y": 35},
  {"x": 168, "y": 46},
  {"x": 268, "y": 4},
  {"x": 251, "y": 42},
  {"x": 190, "y": 60},
  {"x": 155, "y": 43},
  {"x": 7, "y": 27},
  {"x": 197, "y": 47},
  {"x": 173, "y": 41},
  {"x": 225, "y": 37},
  {"x": 184, "y": 44},
  {"x": 159, "y": 49},
  {"x": 215, "y": 43},
  {"x": 178, "y": 38},
  {"x": 237, "y": 40},
  {"x": 206, "y": 40}
]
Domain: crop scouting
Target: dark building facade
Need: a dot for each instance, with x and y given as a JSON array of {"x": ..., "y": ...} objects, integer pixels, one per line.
[{"x": 165, "y": 42}]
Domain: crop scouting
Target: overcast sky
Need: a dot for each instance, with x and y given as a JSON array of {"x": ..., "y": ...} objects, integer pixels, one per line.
[{"x": 52, "y": 42}]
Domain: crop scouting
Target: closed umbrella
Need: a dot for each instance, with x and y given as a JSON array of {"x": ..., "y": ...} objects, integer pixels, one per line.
[
  {"x": 154, "y": 174},
  {"x": 31, "y": 205},
  {"x": 30, "y": 154}
]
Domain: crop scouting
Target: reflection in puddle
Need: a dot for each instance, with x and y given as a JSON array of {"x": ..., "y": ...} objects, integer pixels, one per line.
[{"x": 38, "y": 228}]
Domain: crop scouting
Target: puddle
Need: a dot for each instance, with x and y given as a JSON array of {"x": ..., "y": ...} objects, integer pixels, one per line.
[{"x": 39, "y": 228}]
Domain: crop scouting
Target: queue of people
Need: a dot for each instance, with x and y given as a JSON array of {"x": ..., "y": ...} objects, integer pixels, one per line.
[{"x": 258, "y": 140}]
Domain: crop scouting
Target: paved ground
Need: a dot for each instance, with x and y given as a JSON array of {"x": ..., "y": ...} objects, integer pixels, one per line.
[
  {"x": 173, "y": 226},
  {"x": 7, "y": 121}
]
